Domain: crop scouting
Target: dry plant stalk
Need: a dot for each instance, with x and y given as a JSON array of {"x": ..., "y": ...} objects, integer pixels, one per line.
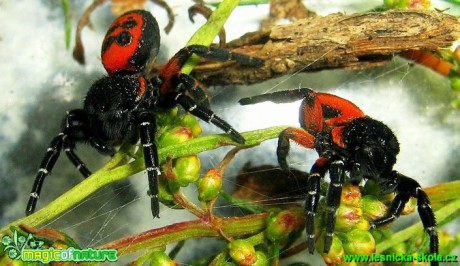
[{"x": 355, "y": 41}]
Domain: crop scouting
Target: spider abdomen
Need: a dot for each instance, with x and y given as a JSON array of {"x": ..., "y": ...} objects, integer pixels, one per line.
[{"x": 131, "y": 42}]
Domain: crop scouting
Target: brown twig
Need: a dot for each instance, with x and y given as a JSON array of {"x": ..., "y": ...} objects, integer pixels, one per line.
[{"x": 354, "y": 41}]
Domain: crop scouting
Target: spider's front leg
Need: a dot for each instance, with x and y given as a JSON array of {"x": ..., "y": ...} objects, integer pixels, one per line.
[
  {"x": 317, "y": 172},
  {"x": 178, "y": 60},
  {"x": 74, "y": 129},
  {"x": 207, "y": 115},
  {"x": 406, "y": 188},
  {"x": 147, "y": 124},
  {"x": 173, "y": 66}
]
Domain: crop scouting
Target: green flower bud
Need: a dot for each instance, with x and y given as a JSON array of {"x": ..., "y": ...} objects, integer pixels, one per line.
[
  {"x": 242, "y": 252},
  {"x": 282, "y": 224},
  {"x": 261, "y": 259},
  {"x": 210, "y": 185},
  {"x": 174, "y": 136},
  {"x": 335, "y": 255},
  {"x": 351, "y": 195},
  {"x": 358, "y": 242},
  {"x": 189, "y": 121},
  {"x": 373, "y": 208},
  {"x": 159, "y": 258},
  {"x": 187, "y": 170},
  {"x": 347, "y": 217},
  {"x": 363, "y": 225}
]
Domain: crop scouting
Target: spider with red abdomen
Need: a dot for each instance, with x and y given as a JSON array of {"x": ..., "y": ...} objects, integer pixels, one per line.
[
  {"x": 347, "y": 142},
  {"x": 121, "y": 106}
]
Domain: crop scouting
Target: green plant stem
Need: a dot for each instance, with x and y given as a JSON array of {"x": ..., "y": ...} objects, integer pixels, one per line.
[
  {"x": 107, "y": 175},
  {"x": 183, "y": 201},
  {"x": 206, "y": 33},
  {"x": 67, "y": 22},
  {"x": 443, "y": 192},
  {"x": 159, "y": 237},
  {"x": 447, "y": 213},
  {"x": 256, "y": 239}
]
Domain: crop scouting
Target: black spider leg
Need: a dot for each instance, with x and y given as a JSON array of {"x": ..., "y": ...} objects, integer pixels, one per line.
[
  {"x": 207, "y": 115},
  {"x": 73, "y": 129},
  {"x": 192, "y": 86},
  {"x": 317, "y": 172},
  {"x": 185, "y": 83},
  {"x": 69, "y": 147},
  {"x": 147, "y": 128},
  {"x": 337, "y": 175},
  {"x": 47, "y": 164},
  {"x": 282, "y": 151},
  {"x": 406, "y": 188}
]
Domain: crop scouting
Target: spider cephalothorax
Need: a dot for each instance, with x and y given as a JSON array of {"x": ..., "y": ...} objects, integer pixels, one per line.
[
  {"x": 121, "y": 106},
  {"x": 348, "y": 143}
]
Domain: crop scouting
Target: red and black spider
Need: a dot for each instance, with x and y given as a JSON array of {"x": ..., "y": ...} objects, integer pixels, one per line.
[
  {"x": 347, "y": 141},
  {"x": 121, "y": 106}
]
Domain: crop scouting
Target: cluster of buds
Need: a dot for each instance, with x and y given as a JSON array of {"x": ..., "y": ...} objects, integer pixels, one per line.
[
  {"x": 176, "y": 128},
  {"x": 352, "y": 232},
  {"x": 282, "y": 224}
]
